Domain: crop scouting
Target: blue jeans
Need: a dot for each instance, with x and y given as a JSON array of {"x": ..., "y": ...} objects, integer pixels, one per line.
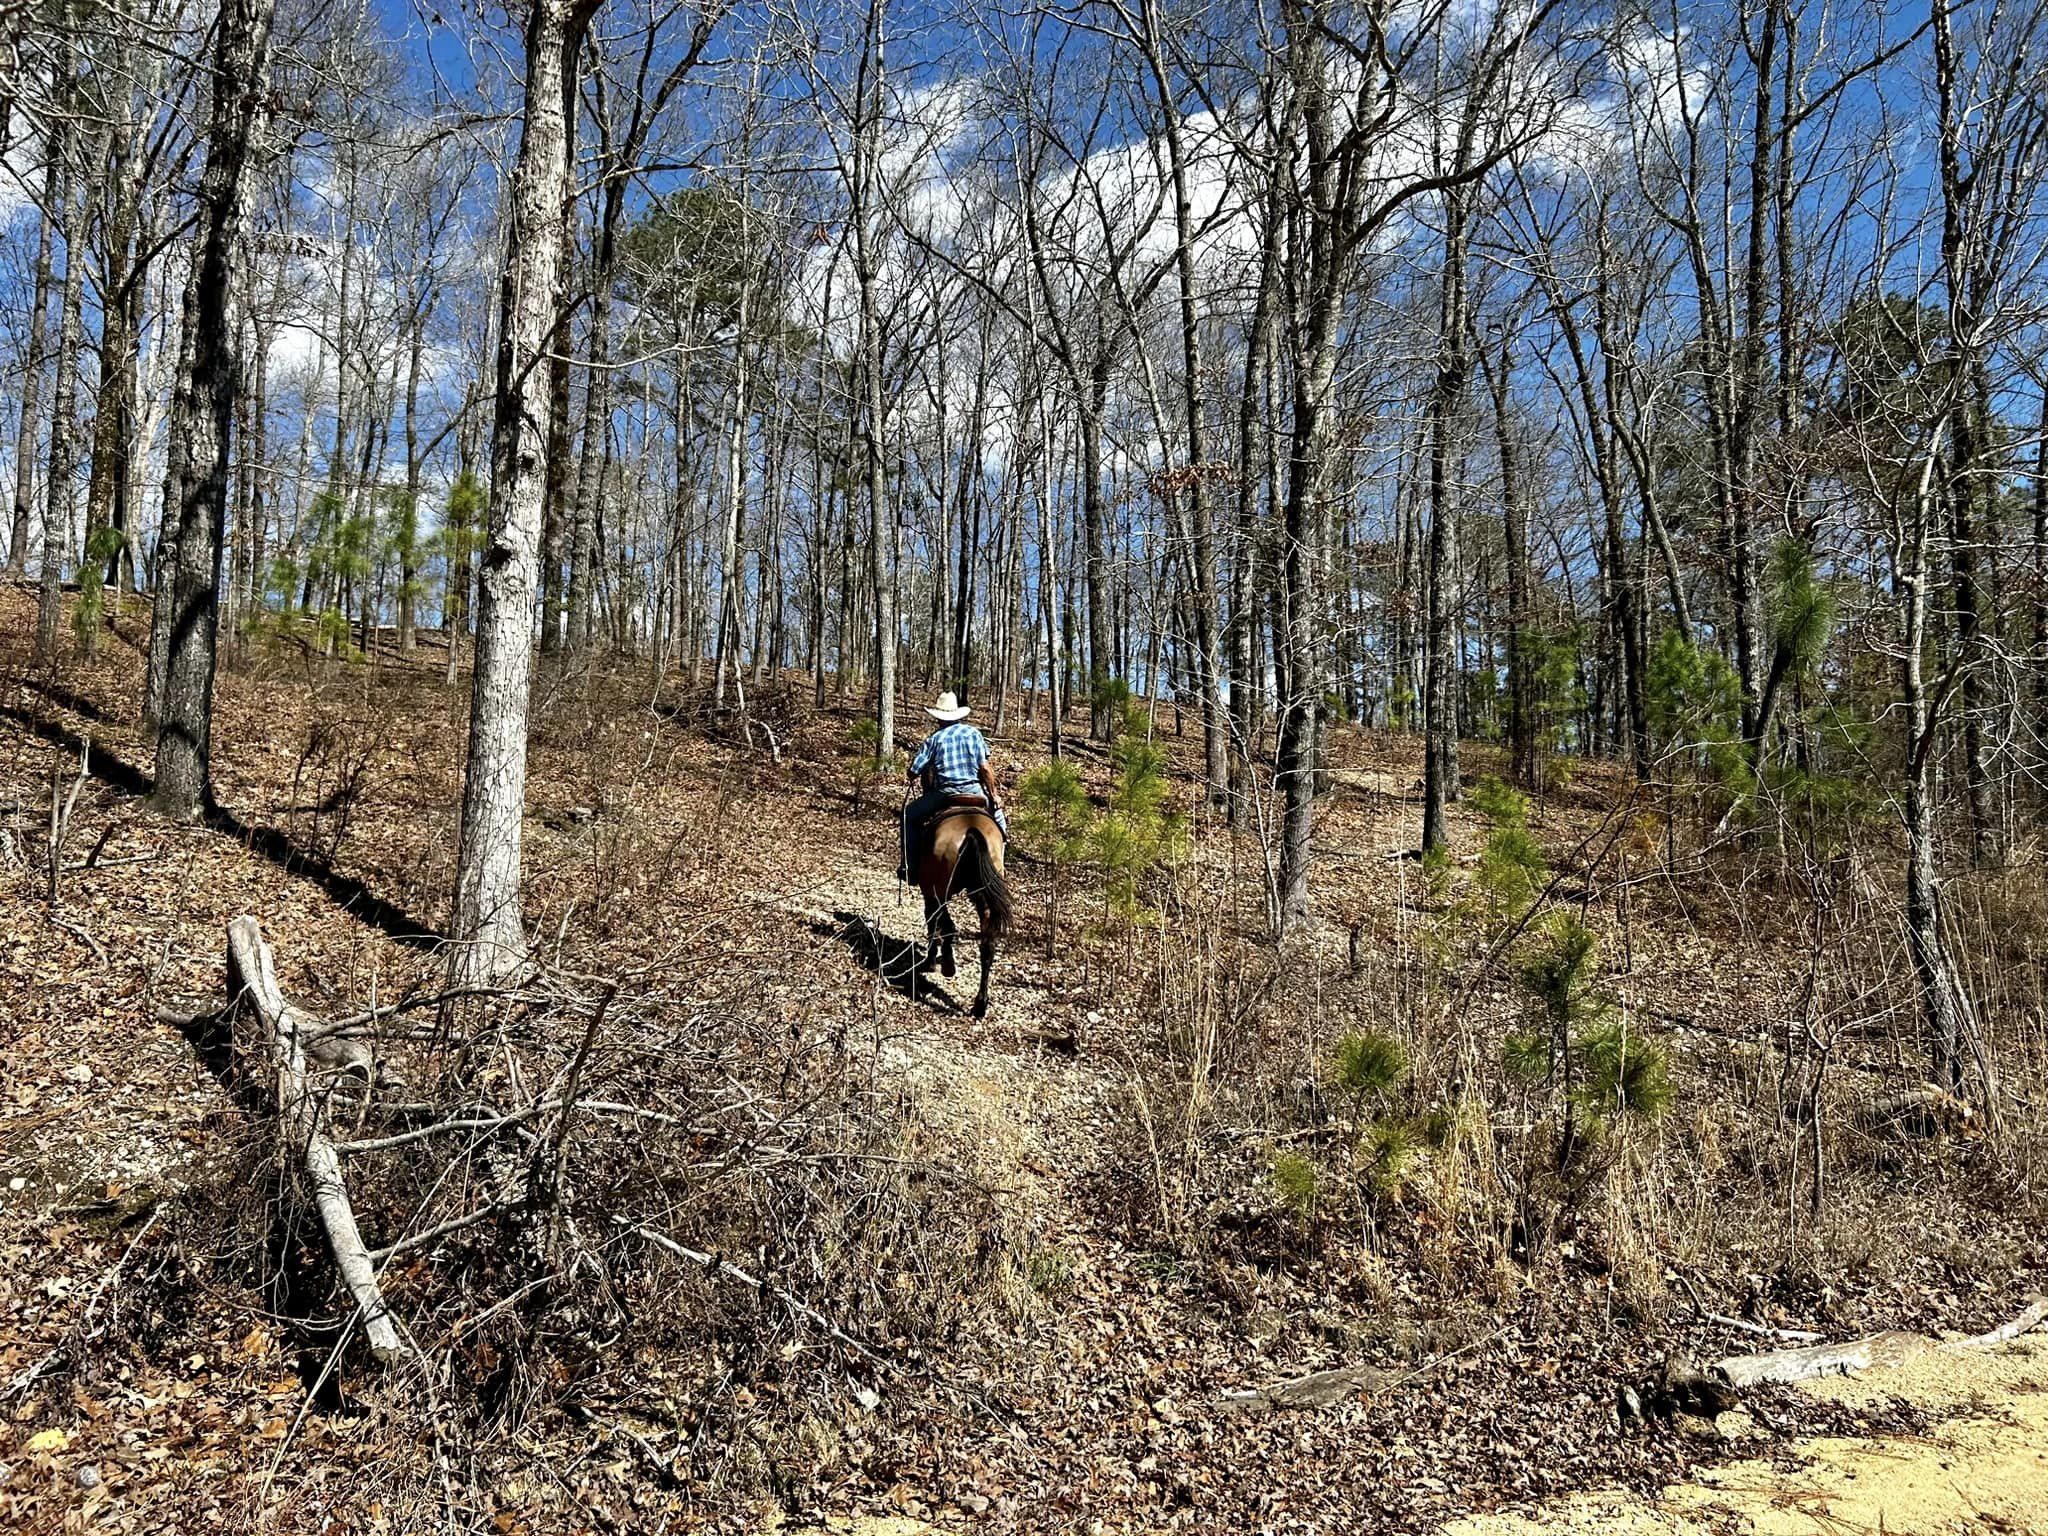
[{"x": 930, "y": 801}]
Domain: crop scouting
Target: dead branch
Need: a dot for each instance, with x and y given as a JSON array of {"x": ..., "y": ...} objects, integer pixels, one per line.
[
  {"x": 251, "y": 975},
  {"x": 61, "y": 807},
  {"x": 550, "y": 1152},
  {"x": 1789, "y": 1335},
  {"x": 440, "y": 1128},
  {"x": 2026, "y": 1322},
  {"x": 120, "y": 862},
  {"x": 80, "y": 934},
  {"x": 795, "y": 1304},
  {"x": 439, "y": 1230},
  {"x": 630, "y": 1111},
  {"x": 1765, "y": 1330},
  {"x": 353, "y": 1023}
]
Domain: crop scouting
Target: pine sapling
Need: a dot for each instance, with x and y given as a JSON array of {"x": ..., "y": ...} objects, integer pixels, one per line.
[{"x": 1053, "y": 813}]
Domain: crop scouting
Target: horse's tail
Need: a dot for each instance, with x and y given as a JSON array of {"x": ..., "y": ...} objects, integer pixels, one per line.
[{"x": 980, "y": 879}]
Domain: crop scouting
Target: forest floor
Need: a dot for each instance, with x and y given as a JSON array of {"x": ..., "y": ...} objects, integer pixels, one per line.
[
  {"x": 1980, "y": 1467},
  {"x": 147, "y": 1383}
]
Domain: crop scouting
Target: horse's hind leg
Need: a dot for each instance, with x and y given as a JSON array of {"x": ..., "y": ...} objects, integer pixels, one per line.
[
  {"x": 934, "y": 927},
  {"x": 988, "y": 960},
  {"x": 949, "y": 931}
]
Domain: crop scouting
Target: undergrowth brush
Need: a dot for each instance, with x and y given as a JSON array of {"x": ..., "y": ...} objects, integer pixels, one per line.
[
  {"x": 1536, "y": 1086},
  {"x": 703, "y": 1232}
]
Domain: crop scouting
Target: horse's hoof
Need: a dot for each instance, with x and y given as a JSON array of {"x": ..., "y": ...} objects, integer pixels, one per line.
[
  {"x": 946, "y": 966},
  {"x": 980, "y": 1009}
]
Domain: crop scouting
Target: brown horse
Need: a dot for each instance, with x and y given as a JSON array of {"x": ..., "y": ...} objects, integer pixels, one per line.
[{"x": 965, "y": 857}]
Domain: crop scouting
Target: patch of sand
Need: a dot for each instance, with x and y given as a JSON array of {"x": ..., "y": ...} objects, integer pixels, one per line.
[{"x": 1985, "y": 1471}]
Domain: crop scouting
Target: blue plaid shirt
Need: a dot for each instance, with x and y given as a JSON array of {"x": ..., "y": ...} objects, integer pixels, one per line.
[{"x": 957, "y": 752}]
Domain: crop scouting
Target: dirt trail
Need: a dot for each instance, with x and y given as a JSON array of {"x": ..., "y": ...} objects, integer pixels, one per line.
[
  {"x": 1985, "y": 1470},
  {"x": 1034, "y": 1111}
]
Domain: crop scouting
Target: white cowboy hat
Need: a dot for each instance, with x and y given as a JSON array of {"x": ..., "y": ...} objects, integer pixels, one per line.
[{"x": 948, "y": 709}]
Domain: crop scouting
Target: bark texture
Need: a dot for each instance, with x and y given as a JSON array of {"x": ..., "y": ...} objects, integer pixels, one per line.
[
  {"x": 208, "y": 387},
  {"x": 487, "y": 931}
]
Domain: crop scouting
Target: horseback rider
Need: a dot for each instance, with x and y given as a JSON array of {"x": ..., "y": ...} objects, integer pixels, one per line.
[{"x": 953, "y": 764}]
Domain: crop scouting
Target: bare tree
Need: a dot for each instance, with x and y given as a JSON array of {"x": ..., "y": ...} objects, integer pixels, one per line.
[
  {"x": 71, "y": 148},
  {"x": 1341, "y": 196},
  {"x": 34, "y": 363},
  {"x": 486, "y": 929},
  {"x": 208, "y": 386},
  {"x": 1992, "y": 126}
]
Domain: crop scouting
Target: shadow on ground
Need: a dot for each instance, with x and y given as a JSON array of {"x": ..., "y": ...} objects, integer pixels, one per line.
[
  {"x": 352, "y": 894},
  {"x": 894, "y": 960}
]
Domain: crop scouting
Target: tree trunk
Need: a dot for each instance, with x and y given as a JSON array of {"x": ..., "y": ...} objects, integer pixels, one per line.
[
  {"x": 1963, "y": 220},
  {"x": 409, "y": 509},
  {"x": 213, "y": 380},
  {"x": 863, "y": 185},
  {"x": 1524, "y": 757},
  {"x": 1925, "y": 937},
  {"x": 177, "y": 442},
  {"x": 557, "y": 531},
  {"x": 1745, "y": 560},
  {"x": 2040, "y": 603},
  {"x": 597, "y": 415},
  {"x": 1254, "y": 464},
  {"x": 1095, "y": 541},
  {"x": 734, "y": 522},
  {"x": 29, "y": 437},
  {"x": 1966, "y": 584},
  {"x": 325, "y": 577},
  {"x": 1320, "y": 275},
  {"x": 488, "y": 933},
  {"x": 1446, "y": 409},
  {"x": 59, "y": 487},
  {"x": 1201, "y": 565},
  {"x": 455, "y": 594},
  {"x": 120, "y": 316},
  {"x": 1300, "y": 641},
  {"x": 1049, "y": 587}
]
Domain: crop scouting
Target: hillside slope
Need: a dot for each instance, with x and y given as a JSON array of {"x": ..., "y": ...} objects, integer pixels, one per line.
[{"x": 1013, "y": 1268}]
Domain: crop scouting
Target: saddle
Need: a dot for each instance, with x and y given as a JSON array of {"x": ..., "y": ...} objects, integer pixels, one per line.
[{"x": 923, "y": 833}]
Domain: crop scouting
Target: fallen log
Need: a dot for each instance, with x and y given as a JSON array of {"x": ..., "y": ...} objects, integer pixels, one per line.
[
  {"x": 2026, "y": 1322},
  {"x": 1922, "y": 1110},
  {"x": 1890, "y": 1348},
  {"x": 288, "y": 1030},
  {"x": 1319, "y": 1389},
  {"x": 1809, "y": 1362}
]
